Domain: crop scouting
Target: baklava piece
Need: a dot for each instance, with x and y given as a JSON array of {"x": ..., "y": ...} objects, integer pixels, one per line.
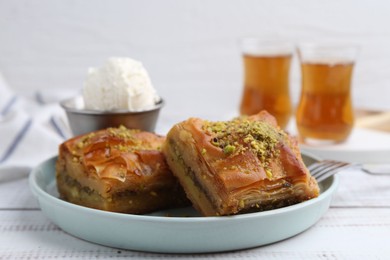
[
  {"x": 244, "y": 165},
  {"x": 117, "y": 170}
]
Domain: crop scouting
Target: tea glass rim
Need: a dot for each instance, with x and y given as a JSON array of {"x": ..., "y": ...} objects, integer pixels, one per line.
[
  {"x": 259, "y": 46},
  {"x": 314, "y": 51}
]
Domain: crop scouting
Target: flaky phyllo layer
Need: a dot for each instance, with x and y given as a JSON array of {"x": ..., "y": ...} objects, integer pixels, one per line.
[{"x": 247, "y": 164}]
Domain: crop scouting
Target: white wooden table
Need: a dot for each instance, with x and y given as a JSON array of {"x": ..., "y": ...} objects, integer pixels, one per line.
[{"x": 357, "y": 226}]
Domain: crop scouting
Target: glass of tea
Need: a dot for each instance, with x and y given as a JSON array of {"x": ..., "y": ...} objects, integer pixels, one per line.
[
  {"x": 325, "y": 111},
  {"x": 266, "y": 78}
]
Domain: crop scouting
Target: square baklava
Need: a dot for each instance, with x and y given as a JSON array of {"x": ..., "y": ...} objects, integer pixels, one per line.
[
  {"x": 243, "y": 165},
  {"x": 119, "y": 170}
]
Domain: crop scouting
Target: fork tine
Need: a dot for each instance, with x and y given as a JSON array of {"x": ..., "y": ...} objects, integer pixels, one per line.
[
  {"x": 332, "y": 172},
  {"x": 316, "y": 167},
  {"x": 324, "y": 169},
  {"x": 328, "y": 167}
]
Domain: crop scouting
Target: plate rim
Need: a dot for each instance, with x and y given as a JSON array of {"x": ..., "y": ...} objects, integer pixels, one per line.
[{"x": 205, "y": 232}]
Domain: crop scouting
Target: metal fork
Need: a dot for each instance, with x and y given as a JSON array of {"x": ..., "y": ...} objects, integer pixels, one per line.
[{"x": 324, "y": 169}]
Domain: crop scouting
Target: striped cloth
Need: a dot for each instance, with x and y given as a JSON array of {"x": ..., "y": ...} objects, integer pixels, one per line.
[{"x": 30, "y": 129}]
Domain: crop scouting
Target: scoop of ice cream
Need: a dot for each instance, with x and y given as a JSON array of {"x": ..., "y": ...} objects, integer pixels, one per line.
[{"x": 121, "y": 84}]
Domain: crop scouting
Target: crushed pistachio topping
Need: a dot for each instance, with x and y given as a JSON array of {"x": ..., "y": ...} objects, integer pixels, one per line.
[
  {"x": 123, "y": 133},
  {"x": 240, "y": 135},
  {"x": 268, "y": 173},
  {"x": 84, "y": 141},
  {"x": 229, "y": 149},
  {"x": 116, "y": 139}
]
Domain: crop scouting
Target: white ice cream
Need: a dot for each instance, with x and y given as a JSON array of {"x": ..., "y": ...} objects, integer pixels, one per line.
[{"x": 121, "y": 84}]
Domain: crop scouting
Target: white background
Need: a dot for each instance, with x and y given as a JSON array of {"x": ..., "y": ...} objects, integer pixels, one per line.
[{"x": 189, "y": 47}]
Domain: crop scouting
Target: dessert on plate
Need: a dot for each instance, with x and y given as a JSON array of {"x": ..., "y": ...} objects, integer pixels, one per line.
[
  {"x": 244, "y": 165},
  {"x": 119, "y": 170}
]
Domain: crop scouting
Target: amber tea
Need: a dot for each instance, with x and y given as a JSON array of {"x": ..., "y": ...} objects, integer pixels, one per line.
[
  {"x": 325, "y": 109},
  {"x": 266, "y": 80}
]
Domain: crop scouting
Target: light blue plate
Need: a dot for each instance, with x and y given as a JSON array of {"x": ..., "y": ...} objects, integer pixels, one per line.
[{"x": 184, "y": 231}]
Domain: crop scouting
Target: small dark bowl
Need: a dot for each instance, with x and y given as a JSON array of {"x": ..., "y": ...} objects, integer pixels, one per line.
[{"x": 83, "y": 121}]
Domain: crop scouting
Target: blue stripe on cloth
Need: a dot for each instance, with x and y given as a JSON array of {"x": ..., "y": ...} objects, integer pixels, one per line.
[
  {"x": 4, "y": 111},
  {"x": 39, "y": 98},
  {"x": 57, "y": 127},
  {"x": 16, "y": 141}
]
